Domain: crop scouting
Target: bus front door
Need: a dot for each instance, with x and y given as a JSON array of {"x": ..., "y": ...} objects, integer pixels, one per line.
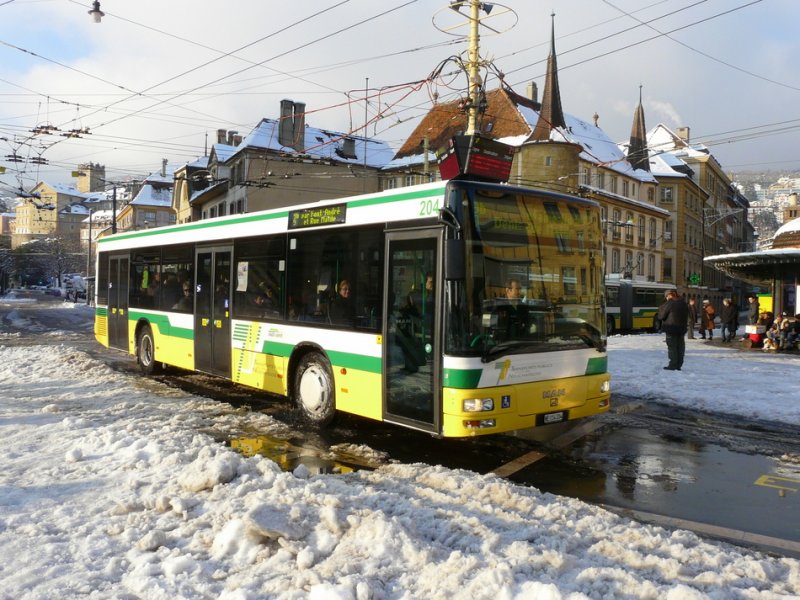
[
  {"x": 412, "y": 394},
  {"x": 212, "y": 317},
  {"x": 118, "y": 277}
]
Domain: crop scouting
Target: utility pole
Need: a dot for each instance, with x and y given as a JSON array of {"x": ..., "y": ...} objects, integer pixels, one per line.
[{"x": 473, "y": 66}]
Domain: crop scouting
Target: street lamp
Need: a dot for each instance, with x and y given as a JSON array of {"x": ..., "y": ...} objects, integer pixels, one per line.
[{"x": 96, "y": 13}]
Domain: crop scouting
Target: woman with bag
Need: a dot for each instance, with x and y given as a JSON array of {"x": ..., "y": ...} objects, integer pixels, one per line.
[{"x": 707, "y": 319}]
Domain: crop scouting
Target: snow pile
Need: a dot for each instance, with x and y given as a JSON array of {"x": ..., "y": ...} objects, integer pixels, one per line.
[{"x": 109, "y": 491}]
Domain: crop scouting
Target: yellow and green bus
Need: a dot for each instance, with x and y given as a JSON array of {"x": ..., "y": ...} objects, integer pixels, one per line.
[
  {"x": 632, "y": 304},
  {"x": 426, "y": 338}
]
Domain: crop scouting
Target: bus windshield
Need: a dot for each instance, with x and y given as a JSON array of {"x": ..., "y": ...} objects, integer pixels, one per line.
[{"x": 534, "y": 276}]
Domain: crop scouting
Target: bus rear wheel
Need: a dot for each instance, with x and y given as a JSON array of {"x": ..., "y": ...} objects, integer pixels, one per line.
[
  {"x": 146, "y": 351},
  {"x": 314, "y": 393}
]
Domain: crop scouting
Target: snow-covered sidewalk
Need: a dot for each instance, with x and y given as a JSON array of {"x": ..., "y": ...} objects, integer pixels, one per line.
[{"x": 109, "y": 491}]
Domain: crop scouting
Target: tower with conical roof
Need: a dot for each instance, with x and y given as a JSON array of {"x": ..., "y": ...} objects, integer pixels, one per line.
[
  {"x": 637, "y": 148},
  {"x": 551, "y": 115}
]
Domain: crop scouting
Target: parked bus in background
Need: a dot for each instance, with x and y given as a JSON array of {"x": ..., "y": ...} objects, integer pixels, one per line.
[
  {"x": 430, "y": 340},
  {"x": 632, "y": 304}
]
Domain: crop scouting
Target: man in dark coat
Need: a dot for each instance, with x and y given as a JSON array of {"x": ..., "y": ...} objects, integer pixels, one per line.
[
  {"x": 729, "y": 319},
  {"x": 674, "y": 316}
]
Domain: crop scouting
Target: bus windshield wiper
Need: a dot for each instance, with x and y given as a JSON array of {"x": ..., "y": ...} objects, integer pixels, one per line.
[{"x": 513, "y": 347}]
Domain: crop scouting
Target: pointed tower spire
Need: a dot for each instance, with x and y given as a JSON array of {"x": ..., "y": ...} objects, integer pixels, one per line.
[
  {"x": 551, "y": 115},
  {"x": 637, "y": 150}
]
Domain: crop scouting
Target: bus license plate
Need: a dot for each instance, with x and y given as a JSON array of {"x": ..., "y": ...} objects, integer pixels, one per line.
[{"x": 553, "y": 417}]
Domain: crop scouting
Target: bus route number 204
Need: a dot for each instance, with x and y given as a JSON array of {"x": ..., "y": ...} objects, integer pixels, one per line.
[{"x": 428, "y": 207}]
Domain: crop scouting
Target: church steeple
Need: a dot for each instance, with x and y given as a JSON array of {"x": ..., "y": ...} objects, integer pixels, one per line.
[
  {"x": 637, "y": 149},
  {"x": 551, "y": 115}
]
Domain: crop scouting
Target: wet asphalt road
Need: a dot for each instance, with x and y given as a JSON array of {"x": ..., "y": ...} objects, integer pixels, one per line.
[{"x": 721, "y": 477}]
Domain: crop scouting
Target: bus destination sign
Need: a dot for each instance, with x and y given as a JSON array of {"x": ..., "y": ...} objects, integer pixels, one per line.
[
  {"x": 317, "y": 216},
  {"x": 474, "y": 156}
]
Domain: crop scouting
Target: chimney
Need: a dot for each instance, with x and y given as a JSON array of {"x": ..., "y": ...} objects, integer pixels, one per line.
[
  {"x": 349, "y": 148},
  {"x": 221, "y": 136},
  {"x": 231, "y": 135},
  {"x": 683, "y": 133},
  {"x": 533, "y": 91},
  {"x": 237, "y": 140},
  {"x": 299, "y": 126},
  {"x": 286, "y": 124}
]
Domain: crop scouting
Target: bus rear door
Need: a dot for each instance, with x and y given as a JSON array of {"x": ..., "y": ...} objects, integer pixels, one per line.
[
  {"x": 118, "y": 278},
  {"x": 412, "y": 345},
  {"x": 212, "y": 317}
]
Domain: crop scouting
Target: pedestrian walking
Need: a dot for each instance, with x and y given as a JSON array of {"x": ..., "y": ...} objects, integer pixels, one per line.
[
  {"x": 707, "y": 315},
  {"x": 729, "y": 320},
  {"x": 674, "y": 317},
  {"x": 692, "y": 318}
]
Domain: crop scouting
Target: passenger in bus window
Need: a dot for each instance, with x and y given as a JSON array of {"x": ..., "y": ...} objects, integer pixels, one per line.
[
  {"x": 342, "y": 310},
  {"x": 172, "y": 290},
  {"x": 266, "y": 300},
  {"x": 186, "y": 302}
]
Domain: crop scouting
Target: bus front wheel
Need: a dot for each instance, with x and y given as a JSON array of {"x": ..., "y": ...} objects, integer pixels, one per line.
[
  {"x": 146, "y": 351},
  {"x": 313, "y": 390}
]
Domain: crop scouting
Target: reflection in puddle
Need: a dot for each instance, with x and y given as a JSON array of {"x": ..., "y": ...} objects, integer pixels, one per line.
[{"x": 289, "y": 456}]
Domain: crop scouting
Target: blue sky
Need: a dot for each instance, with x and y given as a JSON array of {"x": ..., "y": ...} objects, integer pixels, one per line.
[{"x": 155, "y": 78}]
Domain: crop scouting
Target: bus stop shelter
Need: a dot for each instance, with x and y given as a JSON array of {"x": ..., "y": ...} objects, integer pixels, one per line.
[{"x": 776, "y": 270}]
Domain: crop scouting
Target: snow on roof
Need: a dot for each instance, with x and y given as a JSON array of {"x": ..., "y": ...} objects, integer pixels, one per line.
[
  {"x": 788, "y": 227},
  {"x": 151, "y": 195},
  {"x": 597, "y": 147},
  {"x": 662, "y": 165},
  {"x": 321, "y": 144},
  {"x": 223, "y": 151}
]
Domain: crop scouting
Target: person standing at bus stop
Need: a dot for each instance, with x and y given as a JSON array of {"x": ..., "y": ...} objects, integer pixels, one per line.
[
  {"x": 674, "y": 317},
  {"x": 692, "y": 318}
]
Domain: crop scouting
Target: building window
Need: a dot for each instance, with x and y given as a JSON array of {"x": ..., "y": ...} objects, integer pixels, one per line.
[
  {"x": 666, "y": 194},
  {"x": 579, "y": 236},
  {"x": 409, "y": 180},
  {"x": 641, "y": 231},
  {"x": 615, "y": 261},
  {"x": 552, "y": 212},
  {"x": 651, "y": 195},
  {"x": 640, "y": 264},
  {"x": 667, "y": 268},
  {"x": 653, "y": 232},
  {"x": 629, "y": 227},
  {"x": 616, "y": 216},
  {"x": 651, "y": 268},
  {"x": 562, "y": 241},
  {"x": 548, "y": 161},
  {"x": 613, "y": 185},
  {"x": 625, "y": 186}
]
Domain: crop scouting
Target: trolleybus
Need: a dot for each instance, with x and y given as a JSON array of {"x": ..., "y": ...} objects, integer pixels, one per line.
[
  {"x": 632, "y": 304},
  {"x": 388, "y": 305}
]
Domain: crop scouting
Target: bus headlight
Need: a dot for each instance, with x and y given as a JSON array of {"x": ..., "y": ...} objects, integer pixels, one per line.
[
  {"x": 478, "y": 404},
  {"x": 605, "y": 387}
]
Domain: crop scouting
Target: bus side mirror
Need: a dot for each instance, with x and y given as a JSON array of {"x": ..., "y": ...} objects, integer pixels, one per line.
[{"x": 454, "y": 251}]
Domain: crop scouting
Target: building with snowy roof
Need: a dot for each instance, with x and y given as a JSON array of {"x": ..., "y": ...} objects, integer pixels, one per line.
[{"x": 281, "y": 162}]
